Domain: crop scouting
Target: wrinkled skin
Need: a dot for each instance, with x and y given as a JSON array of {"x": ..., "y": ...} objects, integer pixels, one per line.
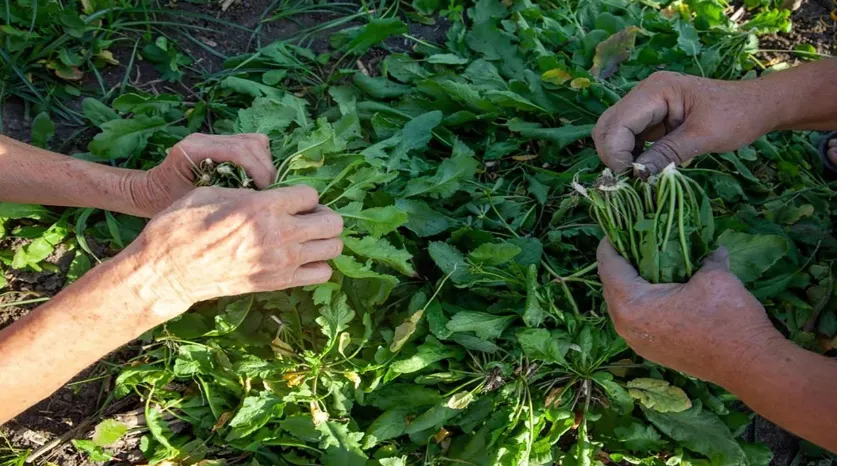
[
  {"x": 684, "y": 115},
  {"x": 221, "y": 242},
  {"x": 709, "y": 327},
  {"x": 161, "y": 186}
]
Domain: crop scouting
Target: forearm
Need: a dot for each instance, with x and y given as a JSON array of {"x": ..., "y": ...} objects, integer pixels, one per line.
[
  {"x": 36, "y": 176},
  {"x": 794, "y": 388},
  {"x": 803, "y": 97},
  {"x": 106, "y": 308}
]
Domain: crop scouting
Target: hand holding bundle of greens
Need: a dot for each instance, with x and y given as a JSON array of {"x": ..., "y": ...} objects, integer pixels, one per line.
[
  {"x": 664, "y": 224},
  {"x": 696, "y": 316}
]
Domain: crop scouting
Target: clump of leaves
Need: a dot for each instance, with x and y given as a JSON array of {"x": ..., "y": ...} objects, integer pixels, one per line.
[{"x": 664, "y": 224}]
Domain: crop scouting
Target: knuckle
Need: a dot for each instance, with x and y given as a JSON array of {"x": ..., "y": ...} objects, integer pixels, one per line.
[
  {"x": 306, "y": 194},
  {"x": 663, "y": 77},
  {"x": 668, "y": 150},
  {"x": 334, "y": 223},
  {"x": 337, "y": 247}
]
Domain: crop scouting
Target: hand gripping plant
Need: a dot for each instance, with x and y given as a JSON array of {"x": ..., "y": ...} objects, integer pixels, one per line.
[{"x": 663, "y": 225}]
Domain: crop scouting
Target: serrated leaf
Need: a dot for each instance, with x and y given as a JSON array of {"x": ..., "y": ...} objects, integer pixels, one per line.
[
  {"x": 380, "y": 250},
  {"x": 124, "y": 138},
  {"x": 485, "y": 326},
  {"x": 377, "y": 221},
  {"x": 108, "y": 432}
]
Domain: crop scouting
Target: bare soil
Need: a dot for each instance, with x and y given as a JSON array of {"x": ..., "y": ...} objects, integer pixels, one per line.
[{"x": 75, "y": 409}]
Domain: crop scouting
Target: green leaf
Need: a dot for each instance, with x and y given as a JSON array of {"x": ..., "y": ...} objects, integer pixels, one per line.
[
  {"x": 416, "y": 134},
  {"x": 688, "y": 38},
  {"x": 450, "y": 261},
  {"x": 390, "y": 424},
  {"x": 273, "y": 116},
  {"x": 254, "y": 412},
  {"x": 562, "y": 137},
  {"x": 623, "y": 402},
  {"x": 232, "y": 316},
  {"x": 360, "y": 39},
  {"x": 428, "y": 353},
  {"x": 539, "y": 344},
  {"x": 533, "y": 313},
  {"x": 250, "y": 87},
  {"x": 446, "y": 59},
  {"x": 43, "y": 129},
  {"x": 422, "y": 219},
  {"x": 447, "y": 180},
  {"x": 124, "y": 138},
  {"x": 658, "y": 395},
  {"x": 377, "y": 221},
  {"x": 95, "y": 453},
  {"x": 638, "y": 437},
  {"x": 700, "y": 431},
  {"x": 193, "y": 360},
  {"x": 341, "y": 447},
  {"x": 17, "y": 211},
  {"x": 752, "y": 255},
  {"x": 108, "y": 432},
  {"x": 613, "y": 51},
  {"x": 379, "y": 87},
  {"x": 350, "y": 267},
  {"x": 335, "y": 319},
  {"x": 434, "y": 417},
  {"x": 380, "y": 250},
  {"x": 400, "y": 395},
  {"x": 494, "y": 254},
  {"x": 485, "y": 326}
]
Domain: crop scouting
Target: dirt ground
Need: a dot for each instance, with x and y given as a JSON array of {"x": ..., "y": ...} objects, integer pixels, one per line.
[{"x": 72, "y": 411}]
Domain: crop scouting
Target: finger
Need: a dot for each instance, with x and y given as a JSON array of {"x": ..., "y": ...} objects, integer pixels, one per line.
[
  {"x": 323, "y": 223},
  {"x": 292, "y": 200},
  {"x": 616, "y": 274},
  {"x": 321, "y": 250},
  {"x": 615, "y": 131},
  {"x": 654, "y": 133},
  {"x": 717, "y": 260},
  {"x": 312, "y": 274},
  {"x": 676, "y": 147},
  {"x": 246, "y": 150},
  {"x": 264, "y": 172}
]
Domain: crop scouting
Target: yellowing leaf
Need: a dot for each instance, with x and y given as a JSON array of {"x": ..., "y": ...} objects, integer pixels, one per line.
[
  {"x": 318, "y": 416},
  {"x": 405, "y": 330},
  {"x": 613, "y": 51},
  {"x": 343, "y": 341},
  {"x": 556, "y": 76},
  {"x": 353, "y": 377},
  {"x": 524, "y": 157},
  {"x": 108, "y": 57},
  {"x": 580, "y": 83},
  {"x": 659, "y": 395},
  {"x": 281, "y": 348},
  {"x": 460, "y": 400},
  {"x": 620, "y": 368},
  {"x": 293, "y": 379}
]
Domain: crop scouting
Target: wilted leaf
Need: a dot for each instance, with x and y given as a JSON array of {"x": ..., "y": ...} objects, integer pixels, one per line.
[{"x": 613, "y": 51}]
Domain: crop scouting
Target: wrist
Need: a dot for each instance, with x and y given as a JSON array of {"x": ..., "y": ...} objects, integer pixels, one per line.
[
  {"x": 138, "y": 188},
  {"x": 147, "y": 279},
  {"x": 751, "y": 359}
]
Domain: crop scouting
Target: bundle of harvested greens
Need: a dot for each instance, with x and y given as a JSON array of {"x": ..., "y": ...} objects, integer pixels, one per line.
[{"x": 664, "y": 224}]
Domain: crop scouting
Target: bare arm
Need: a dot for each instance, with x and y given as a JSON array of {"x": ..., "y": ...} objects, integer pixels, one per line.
[
  {"x": 37, "y": 176},
  {"x": 715, "y": 330},
  {"x": 214, "y": 242},
  {"x": 687, "y": 115},
  {"x": 794, "y": 388}
]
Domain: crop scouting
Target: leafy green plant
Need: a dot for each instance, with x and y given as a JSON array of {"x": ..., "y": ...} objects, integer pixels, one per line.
[{"x": 464, "y": 320}]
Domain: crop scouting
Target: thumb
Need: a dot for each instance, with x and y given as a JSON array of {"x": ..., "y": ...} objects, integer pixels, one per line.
[
  {"x": 676, "y": 147},
  {"x": 717, "y": 261},
  {"x": 615, "y": 272}
]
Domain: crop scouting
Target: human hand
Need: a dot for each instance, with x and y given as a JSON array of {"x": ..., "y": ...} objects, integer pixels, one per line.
[
  {"x": 161, "y": 186},
  {"x": 710, "y": 327},
  {"x": 685, "y": 116},
  {"x": 218, "y": 242}
]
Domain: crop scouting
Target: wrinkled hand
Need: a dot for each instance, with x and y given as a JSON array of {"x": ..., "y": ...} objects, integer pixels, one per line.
[
  {"x": 685, "y": 116},
  {"x": 710, "y": 327},
  {"x": 218, "y": 242},
  {"x": 163, "y": 185}
]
